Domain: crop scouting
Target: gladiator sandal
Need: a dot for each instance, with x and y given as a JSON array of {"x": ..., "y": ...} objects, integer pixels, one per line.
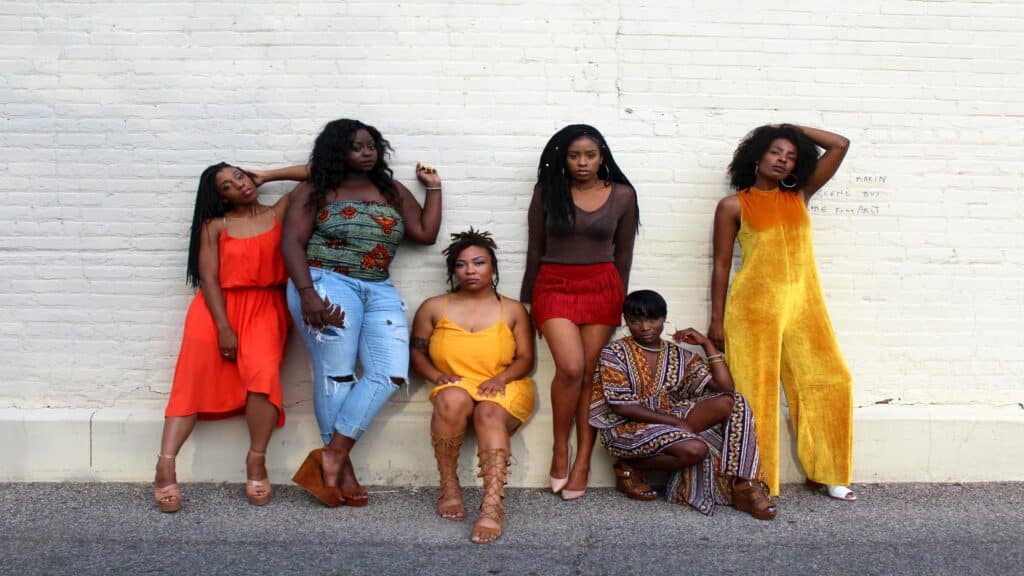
[
  {"x": 494, "y": 471},
  {"x": 167, "y": 497},
  {"x": 751, "y": 496},
  {"x": 449, "y": 502}
]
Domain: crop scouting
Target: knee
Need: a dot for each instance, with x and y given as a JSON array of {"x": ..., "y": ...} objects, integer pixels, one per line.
[
  {"x": 569, "y": 374},
  {"x": 488, "y": 415},
  {"x": 725, "y": 405},
  {"x": 452, "y": 403},
  {"x": 691, "y": 451}
]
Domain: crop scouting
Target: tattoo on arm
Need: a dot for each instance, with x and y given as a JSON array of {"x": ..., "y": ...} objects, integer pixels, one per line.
[{"x": 419, "y": 344}]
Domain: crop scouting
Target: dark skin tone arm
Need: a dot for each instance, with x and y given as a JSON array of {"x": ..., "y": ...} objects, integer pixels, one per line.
[
  {"x": 209, "y": 283},
  {"x": 422, "y": 224},
  {"x": 419, "y": 348},
  {"x": 721, "y": 381},
  {"x": 298, "y": 228},
  {"x": 835, "y": 151}
]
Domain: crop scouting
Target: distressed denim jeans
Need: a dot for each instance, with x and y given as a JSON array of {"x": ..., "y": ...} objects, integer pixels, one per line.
[{"x": 376, "y": 332}]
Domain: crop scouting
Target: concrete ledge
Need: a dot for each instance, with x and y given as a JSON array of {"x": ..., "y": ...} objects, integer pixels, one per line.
[{"x": 892, "y": 444}]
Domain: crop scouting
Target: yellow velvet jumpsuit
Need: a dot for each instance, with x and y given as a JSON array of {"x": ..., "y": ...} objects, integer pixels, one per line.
[{"x": 776, "y": 325}]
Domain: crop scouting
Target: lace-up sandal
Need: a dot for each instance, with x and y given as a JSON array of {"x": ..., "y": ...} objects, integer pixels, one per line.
[
  {"x": 630, "y": 482},
  {"x": 449, "y": 502},
  {"x": 751, "y": 496},
  {"x": 494, "y": 471},
  {"x": 167, "y": 497},
  {"x": 257, "y": 491},
  {"x": 311, "y": 478}
]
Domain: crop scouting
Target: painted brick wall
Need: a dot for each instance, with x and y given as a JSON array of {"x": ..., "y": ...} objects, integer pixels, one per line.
[{"x": 110, "y": 111}]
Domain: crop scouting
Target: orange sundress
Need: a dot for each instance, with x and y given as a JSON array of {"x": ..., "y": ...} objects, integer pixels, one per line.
[{"x": 252, "y": 278}]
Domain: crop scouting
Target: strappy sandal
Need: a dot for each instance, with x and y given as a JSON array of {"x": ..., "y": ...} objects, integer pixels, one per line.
[
  {"x": 751, "y": 496},
  {"x": 630, "y": 482},
  {"x": 311, "y": 478},
  {"x": 449, "y": 502},
  {"x": 257, "y": 491},
  {"x": 494, "y": 471},
  {"x": 837, "y": 491},
  {"x": 167, "y": 497}
]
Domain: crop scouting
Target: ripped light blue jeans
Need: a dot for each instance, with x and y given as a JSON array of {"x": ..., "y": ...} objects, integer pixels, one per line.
[{"x": 376, "y": 332}]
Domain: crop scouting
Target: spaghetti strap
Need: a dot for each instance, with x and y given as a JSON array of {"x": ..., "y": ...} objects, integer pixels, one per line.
[{"x": 444, "y": 307}]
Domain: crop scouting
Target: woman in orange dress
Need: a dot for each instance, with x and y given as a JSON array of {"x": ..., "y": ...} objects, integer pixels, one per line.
[
  {"x": 476, "y": 347},
  {"x": 236, "y": 326}
]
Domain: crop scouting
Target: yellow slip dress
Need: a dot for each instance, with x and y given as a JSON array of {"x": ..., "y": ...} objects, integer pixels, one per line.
[{"x": 476, "y": 357}]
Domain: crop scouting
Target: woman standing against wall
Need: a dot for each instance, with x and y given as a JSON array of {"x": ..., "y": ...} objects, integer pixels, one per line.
[
  {"x": 583, "y": 220},
  {"x": 774, "y": 323},
  {"x": 236, "y": 327},
  {"x": 340, "y": 237}
]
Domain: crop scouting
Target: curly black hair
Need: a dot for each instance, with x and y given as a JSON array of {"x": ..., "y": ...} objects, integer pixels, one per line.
[
  {"x": 467, "y": 239},
  {"x": 554, "y": 182},
  {"x": 757, "y": 142},
  {"x": 209, "y": 205},
  {"x": 327, "y": 160}
]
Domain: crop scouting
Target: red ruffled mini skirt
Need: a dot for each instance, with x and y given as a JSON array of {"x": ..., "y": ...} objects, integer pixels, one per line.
[{"x": 582, "y": 293}]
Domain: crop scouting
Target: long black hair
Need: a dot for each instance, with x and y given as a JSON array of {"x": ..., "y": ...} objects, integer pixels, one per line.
[
  {"x": 554, "y": 182},
  {"x": 467, "y": 239},
  {"x": 209, "y": 205},
  {"x": 327, "y": 161},
  {"x": 755, "y": 144}
]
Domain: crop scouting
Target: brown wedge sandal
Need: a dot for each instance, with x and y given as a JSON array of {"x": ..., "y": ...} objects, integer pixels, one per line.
[
  {"x": 257, "y": 491},
  {"x": 167, "y": 497},
  {"x": 630, "y": 482},
  {"x": 494, "y": 471},
  {"x": 449, "y": 502},
  {"x": 311, "y": 478},
  {"x": 751, "y": 496}
]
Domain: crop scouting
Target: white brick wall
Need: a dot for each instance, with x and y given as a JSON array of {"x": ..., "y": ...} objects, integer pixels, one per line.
[{"x": 110, "y": 111}]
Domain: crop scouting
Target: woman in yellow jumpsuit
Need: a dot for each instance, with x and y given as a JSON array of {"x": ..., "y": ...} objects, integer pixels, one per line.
[{"x": 774, "y": 323}]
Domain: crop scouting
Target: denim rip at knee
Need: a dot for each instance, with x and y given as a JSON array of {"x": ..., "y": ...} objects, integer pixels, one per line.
[{"x": 376, "y": 332}]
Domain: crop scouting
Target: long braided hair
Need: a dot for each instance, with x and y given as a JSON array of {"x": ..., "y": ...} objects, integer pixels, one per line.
[{"x": 554, "y": 182}]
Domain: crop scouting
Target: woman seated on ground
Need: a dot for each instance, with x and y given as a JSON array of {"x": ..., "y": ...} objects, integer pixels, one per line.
[
  {"x": 476, "y": 347},
  {"x": 661, "y": 407}
]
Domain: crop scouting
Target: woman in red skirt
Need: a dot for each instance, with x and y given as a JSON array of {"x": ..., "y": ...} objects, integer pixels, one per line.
[{"x": 583, "y": 220}]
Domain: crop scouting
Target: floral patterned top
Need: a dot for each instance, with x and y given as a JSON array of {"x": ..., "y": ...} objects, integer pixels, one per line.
[{"x": 356, "y": 238}]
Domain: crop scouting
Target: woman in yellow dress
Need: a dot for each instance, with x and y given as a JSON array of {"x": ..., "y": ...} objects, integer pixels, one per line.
[
  {"x": 774, "y": 324},
  {"x": 476, "y": 347}
]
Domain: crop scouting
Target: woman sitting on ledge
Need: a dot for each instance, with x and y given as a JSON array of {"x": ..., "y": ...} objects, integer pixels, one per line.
[
  {"x": 476, "y": 347},
  {"x": 661, "y": 407}
]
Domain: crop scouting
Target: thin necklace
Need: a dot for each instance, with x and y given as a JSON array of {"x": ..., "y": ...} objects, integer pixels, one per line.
[{"x": 650, "y": 349}]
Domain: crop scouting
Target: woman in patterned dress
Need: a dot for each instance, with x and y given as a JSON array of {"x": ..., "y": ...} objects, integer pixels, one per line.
[{"x": 661, "y": 407}]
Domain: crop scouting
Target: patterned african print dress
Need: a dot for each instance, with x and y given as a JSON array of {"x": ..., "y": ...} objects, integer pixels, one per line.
[{"x": 674, "y": 386}]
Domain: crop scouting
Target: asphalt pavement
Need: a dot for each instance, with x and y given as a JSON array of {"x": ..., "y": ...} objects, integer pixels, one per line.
[{"x": 74, "y": 528}]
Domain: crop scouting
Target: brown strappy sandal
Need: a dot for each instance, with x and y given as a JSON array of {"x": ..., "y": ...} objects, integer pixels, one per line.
[
  {"x": 167, "y": 497},
  {"x": 630, "y": 482},
  {"x": 257, "y": 491},
  {"x": 311, "y": 478},
  {"x": 449, "y": 502},
  {"x": 751, "y": 496},
  {"x": 494, "y": 471}
]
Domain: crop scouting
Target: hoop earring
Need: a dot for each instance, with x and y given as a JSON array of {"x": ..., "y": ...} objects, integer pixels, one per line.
[
  {"x": 607, "y": 172},
  {"x": 791, "y": 185}
]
